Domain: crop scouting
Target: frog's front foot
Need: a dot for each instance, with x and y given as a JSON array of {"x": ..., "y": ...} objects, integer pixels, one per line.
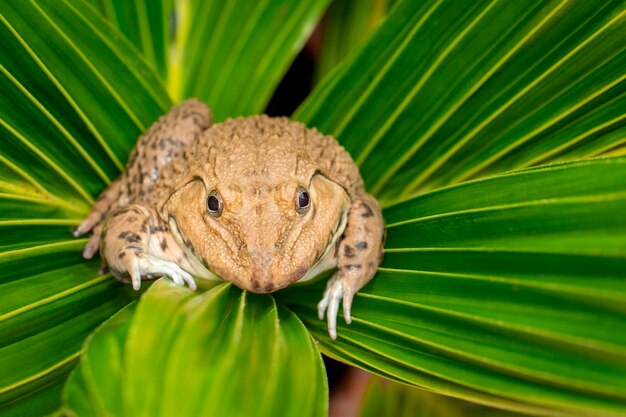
[
  {"x": 337, "y": 291},
  {"x": 151, "y": 267},
  {"x": 136, "y": 246}
]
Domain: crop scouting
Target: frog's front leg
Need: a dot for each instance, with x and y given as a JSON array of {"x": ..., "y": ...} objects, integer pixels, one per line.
[
  {"x": 136, "y": 244},
  {"x": 358, "y": 257}
]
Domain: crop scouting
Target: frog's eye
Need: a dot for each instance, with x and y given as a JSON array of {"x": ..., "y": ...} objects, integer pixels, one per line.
[
  {"x": 214, "y": 204},
  {"x": 303, "y": 202}
]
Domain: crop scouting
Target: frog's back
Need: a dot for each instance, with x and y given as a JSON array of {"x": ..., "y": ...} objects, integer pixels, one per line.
[{"x": 272, "y": 147}]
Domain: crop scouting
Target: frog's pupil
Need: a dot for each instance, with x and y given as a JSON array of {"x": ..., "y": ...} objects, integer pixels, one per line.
[
  {"x": 214, "y": 204},
  {"x": 303, "y": 199}
]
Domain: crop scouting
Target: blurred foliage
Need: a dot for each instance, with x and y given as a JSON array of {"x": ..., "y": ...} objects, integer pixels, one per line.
[
  {"x": 345, "y": 26},
  {"x": 387, "y": 398}
]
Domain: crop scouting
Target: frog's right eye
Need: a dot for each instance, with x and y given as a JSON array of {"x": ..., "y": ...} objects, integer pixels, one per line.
[
  {"x": 303, "y": 202},
  {"x": 214, "y": 204}
]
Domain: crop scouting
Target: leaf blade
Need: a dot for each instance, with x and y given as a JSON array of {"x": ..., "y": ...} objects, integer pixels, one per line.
[
  {"x": 419, "y": 111},
  {"x": 252, "y": 336},
  {"x": 53, "y": 160},
  {"x": 235, "y": 54},
  {"x": 527, "y": 309}
]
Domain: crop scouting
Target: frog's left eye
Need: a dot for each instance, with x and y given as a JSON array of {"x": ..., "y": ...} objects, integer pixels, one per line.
[
  {"x": 214, "y": 204},
  {"x": 303, "y": 202}
]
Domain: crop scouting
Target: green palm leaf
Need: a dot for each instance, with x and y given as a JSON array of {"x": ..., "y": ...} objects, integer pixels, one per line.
[
  {"x": 224, "y": 343},
  {"x": 145, "y": 24},
  {"x": 448, "y": 90},
  {"x": 346, "y": 25},
  {"x": 64, "y": 136},
  {"x": 232, "y": 55},
  {"x": 507, "y": 291}
]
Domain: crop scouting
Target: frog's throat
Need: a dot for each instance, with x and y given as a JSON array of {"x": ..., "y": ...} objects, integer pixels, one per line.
[
  {"x": 194, "y": 265},
  {"x": 328, "y": 259}
]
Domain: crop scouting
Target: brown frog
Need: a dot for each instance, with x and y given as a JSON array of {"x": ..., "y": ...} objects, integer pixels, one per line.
[{"x": 258, "y": 201}]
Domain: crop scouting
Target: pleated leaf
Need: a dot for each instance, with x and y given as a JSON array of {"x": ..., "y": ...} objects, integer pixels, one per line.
[
  {"x": 220, "y": 352},
  {"x": 146, "y": 24},
  {"x": 345, "y": 26},
  {"x": 447, "y": 90},
  {"x": 233, "y": 54},
  {"x": 76, "y": 98},
  {"x": 509, "y": 291}
]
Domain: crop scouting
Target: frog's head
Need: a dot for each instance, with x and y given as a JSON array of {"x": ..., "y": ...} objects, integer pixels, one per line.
[{"x": 263, "y": 219}]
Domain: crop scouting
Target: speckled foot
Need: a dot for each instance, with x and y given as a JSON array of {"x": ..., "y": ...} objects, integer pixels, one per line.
[
  {"x": 148, "y": 266},
  {"x": 135, "y": 246}
]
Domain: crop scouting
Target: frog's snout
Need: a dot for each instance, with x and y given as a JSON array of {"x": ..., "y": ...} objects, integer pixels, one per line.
[
  {"x": 260, "y": 273},
  {"x": 263, "y": 280}
]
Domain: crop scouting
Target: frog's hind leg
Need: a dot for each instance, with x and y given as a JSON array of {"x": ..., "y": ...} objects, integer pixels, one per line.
[
  {"x": 136, "y": 245},
  {"x": 165, "y": 140},
  {"x": 93, "y": 221}
]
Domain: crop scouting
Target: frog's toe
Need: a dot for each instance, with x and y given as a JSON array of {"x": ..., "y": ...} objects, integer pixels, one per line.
[
  {"x": 93, "y": 244},
  {"x": 156, "y": 267},
  {"x": 191, "y": 283},
  {"x": 140, "y": 267},
  {"x": 84, "y": 227},
  {"x": 322, "y": 306},
  {"x": 330, "y": 304},
  {"x": 181, "y": 277},
  {"x": 135, "y": 276},
  {"x": 348, "y": 296}
]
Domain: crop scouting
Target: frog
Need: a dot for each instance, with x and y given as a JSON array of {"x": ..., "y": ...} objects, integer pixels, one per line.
[{"x": 262, "y": 202}]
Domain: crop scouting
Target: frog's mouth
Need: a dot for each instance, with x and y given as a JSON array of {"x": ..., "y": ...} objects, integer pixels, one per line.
[{"x": 328, "y": 259}]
